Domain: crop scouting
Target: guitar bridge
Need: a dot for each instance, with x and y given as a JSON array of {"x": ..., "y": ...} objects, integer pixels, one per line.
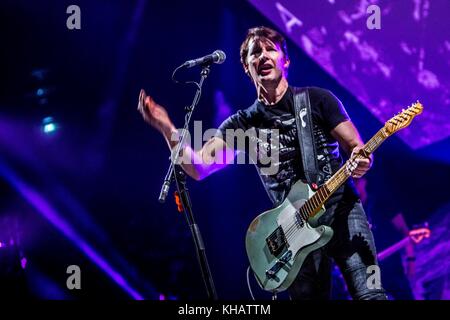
[
  {"x": 272, "y": 272},
  {"x": 276, "y": 241}
]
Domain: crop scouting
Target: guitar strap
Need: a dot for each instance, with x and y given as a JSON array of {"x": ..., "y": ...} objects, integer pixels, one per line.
[{"x": 305, "y": 134}]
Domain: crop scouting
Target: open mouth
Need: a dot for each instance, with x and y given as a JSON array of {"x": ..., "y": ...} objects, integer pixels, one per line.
[{"x": 265, "y": 69}]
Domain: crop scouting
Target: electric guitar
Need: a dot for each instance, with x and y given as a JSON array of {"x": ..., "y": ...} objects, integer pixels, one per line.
[{"x": 279, "y": 240}]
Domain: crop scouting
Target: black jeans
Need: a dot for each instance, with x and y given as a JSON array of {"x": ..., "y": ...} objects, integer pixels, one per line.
[{"x": 352, "y": 248}]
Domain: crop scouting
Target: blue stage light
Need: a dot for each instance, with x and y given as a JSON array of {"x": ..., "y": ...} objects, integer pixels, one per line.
[
  {"x": 40, "y": 92},
  {"x": 49, "y": 125}
]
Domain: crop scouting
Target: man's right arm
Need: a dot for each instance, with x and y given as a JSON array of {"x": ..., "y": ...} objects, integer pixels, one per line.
[{"x": 213, "y": 156}]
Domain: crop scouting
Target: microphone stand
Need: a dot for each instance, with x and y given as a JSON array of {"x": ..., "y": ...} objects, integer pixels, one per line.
[{"x": 175, "y": 172}]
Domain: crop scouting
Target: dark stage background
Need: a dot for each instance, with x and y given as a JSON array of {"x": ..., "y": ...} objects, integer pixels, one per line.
[{"x": 86, "y": 193}]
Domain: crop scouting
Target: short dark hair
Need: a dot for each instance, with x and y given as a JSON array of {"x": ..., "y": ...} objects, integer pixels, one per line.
[{"x": 263, "y": 32}]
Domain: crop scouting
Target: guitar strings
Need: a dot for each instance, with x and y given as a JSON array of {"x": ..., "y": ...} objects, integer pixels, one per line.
[
  {"x": 294, "y": 227},
  {"x": 343, "y": 174}
]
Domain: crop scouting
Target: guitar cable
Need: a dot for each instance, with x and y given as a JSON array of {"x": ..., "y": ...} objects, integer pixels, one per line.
[
  {"x": 248, "y": 283},
  {"x": 274, "y": 294}
]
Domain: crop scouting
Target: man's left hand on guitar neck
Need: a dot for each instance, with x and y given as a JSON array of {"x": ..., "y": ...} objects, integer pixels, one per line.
[
  {"x": 362, "y": 165},
  {"x": 350, "y": 141}
]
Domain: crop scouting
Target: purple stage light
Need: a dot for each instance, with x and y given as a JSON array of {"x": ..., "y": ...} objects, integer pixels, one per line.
[
  {"x": 41, "y": 205},
  {"x": 23, "y": 262},
  {"x": 223, "y": 109},
  {"x": 386, "y": 53}
]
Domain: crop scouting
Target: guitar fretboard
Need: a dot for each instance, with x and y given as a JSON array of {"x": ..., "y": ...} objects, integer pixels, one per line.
[{"x": 315, "y": 203}]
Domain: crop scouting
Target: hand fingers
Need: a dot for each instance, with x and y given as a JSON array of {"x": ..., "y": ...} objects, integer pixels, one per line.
[
  {"x": 356, "y": 156},
  {"x": 357, "y": 168},
  {"x": 350, "y": 167},
  {"x": 361, "y": 163},
  {"x": 148, "y": 105},
  {"x": 142, "y": 96},
  {"x": 355, "y": 151},
  {"x": 358, "y": 174},
  {"x": 353, "y": 164}
]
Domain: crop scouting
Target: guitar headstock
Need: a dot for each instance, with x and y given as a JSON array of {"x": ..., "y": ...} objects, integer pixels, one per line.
[
  {"x": 404, "y": 118},
  {"x": 417, "y": 235}
]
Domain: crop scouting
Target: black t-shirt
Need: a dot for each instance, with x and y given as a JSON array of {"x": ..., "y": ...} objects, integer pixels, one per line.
[{"x": 327, "y": 112}]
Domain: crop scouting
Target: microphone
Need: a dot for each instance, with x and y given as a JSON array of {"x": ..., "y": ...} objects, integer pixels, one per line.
[{"x": 217, "y": 56}]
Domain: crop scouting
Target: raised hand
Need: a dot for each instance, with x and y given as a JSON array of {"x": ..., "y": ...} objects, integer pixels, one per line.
[{"x": 154, "y": 114}]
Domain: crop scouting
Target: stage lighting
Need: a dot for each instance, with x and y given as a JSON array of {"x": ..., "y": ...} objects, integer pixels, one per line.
[
  {"x": 40, "y": 92},
  {"x": 49, "y": 125},
  {"x": 39, "y": 74}
]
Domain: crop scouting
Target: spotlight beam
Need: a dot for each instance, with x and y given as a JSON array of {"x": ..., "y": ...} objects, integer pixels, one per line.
[{"x": 38, "y": 202}]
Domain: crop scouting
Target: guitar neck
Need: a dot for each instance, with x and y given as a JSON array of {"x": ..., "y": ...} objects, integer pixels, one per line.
[
  {"x": 394, "y": 248},
  {"x": 315, "y": 203}
]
